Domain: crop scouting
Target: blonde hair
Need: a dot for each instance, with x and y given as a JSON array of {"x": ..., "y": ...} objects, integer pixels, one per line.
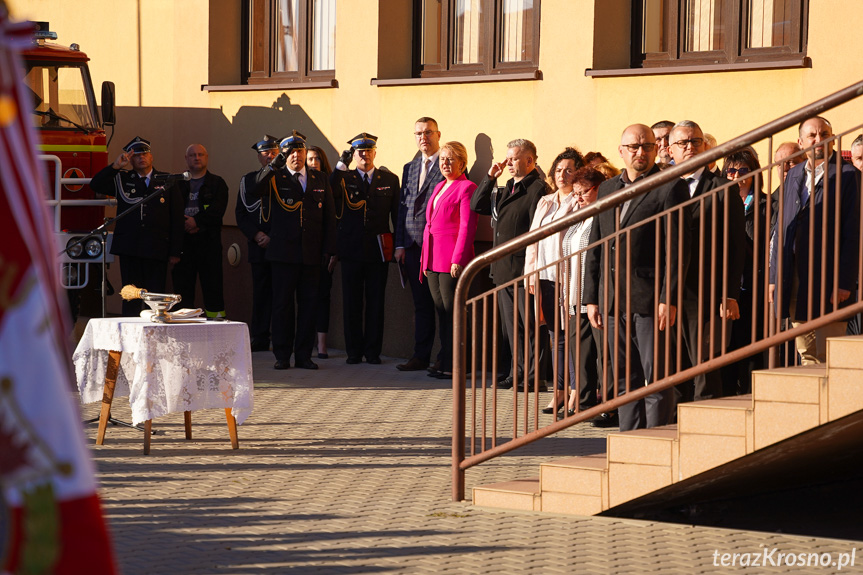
[
  {"x": 458, "y": 151},
  {"x": 607, "y": 170}
]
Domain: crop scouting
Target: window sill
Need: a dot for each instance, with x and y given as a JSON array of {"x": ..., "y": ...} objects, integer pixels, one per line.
[
  {"x": 516, "y": 77},
  {"x": 804, "y": 62},
  {"x": 274, "y": 86}
]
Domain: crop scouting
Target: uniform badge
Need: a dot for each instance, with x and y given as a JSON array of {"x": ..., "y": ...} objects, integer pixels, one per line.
[
  {"x": 320, "y": 204},
  {"x": 161, "y": 200},
  {"x": 289, "y": 201}
]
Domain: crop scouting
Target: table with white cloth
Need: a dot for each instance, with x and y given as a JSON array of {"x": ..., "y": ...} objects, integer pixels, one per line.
[{"x": 166, "y": 368}]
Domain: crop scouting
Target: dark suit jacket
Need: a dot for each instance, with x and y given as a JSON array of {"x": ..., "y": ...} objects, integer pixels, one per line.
[
  {"x": 155, "y": 230},
  {"x": 253, "y": 215},
  {"x": 302, "y": 222},
  {"x": 795, "y": 222},
  {"x": 362, "y": 215},
  {"x": 645, "y": 245},
  {"x": 701, "y": 255},
  {"x": 515, "y": 207},
  {"x": 213, "y": 201},
  {"x": 411, "y": 220}
]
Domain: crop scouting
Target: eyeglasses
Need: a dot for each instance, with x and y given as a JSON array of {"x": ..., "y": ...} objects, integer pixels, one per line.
[
  {"x": 737, "y": 171},
  {"x": 647, "y": 147},
  {"x": 578, "y": 194},
  {"x": 425, "y": 133},
  {"x": 694, "y": 142}
]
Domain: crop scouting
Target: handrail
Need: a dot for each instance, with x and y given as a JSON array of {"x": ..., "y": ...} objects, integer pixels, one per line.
[{"x": 459, "y": 462}]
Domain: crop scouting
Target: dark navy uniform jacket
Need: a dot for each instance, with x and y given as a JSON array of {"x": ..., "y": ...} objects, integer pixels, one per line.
[{"x": 363, "y": 215}]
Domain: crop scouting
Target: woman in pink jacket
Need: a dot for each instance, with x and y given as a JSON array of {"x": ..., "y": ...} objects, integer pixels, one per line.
[{"x": 448, "y": 241}]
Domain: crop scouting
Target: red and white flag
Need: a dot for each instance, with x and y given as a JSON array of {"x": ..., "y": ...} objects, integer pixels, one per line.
[{"x": 55, "y": 523}]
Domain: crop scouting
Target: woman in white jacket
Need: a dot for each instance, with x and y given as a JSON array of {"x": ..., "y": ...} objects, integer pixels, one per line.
[{"x": 542, "y": 259}]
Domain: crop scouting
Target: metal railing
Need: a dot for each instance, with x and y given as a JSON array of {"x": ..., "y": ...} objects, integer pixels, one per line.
[{"x": 669, "y": 230}]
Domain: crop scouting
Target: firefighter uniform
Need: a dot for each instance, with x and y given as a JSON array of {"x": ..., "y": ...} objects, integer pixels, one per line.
[
  {"x": 365, "y": 211},
  {"x": 148, "y": 235},
  {"x": 302, "y": 221}
]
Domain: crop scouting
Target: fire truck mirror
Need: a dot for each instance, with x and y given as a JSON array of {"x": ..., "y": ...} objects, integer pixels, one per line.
[{"x": 108, "y": 117}]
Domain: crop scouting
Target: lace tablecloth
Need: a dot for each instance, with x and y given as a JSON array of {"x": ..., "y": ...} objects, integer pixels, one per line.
[{"x": 166, "y": 368}]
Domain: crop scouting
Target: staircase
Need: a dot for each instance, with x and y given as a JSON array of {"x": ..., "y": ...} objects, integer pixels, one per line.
[{"x": 785, "y": 402}]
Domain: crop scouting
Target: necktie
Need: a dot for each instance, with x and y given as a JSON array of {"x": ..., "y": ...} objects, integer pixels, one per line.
[
  {"x": 146, "y": 182},
  {"x": 804, "y": 193},
  {"x": 689, "y": 184},
  {"x": 423, "y": 173},
  {"x": 297, "y": 180}
]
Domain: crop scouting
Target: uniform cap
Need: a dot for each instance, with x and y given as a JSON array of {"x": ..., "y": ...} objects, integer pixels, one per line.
[
  {"x": 293, "y": 142},
  {"x": 137, "y": 146},
  {"x": 267, "y": 143},
  {"x": 364, "y": 141}
]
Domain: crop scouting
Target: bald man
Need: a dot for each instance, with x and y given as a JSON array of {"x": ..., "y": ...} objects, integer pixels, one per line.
[
  {"x": 609, "y": 306},
  {"x": 205, "y": 198}
]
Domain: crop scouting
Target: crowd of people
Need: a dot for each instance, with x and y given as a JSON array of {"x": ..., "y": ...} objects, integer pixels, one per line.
[{"x": 302, "y": 218}]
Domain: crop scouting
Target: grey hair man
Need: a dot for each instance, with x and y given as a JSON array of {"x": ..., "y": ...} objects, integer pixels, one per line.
[{"x": 857, "y": 152}]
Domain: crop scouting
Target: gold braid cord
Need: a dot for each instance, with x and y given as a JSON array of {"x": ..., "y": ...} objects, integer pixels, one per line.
[
  {"x": 286, "y": 207},
  {"x": 352, "y": 205}
]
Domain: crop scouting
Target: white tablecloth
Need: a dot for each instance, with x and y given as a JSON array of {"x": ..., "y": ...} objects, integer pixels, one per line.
[{"x": 167, "y": 368}]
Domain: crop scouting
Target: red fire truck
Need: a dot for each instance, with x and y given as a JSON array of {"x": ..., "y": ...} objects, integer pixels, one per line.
[{"x": 74, "y": 146}]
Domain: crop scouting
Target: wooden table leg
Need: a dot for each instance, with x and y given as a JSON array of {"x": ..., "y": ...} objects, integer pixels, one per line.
[
  {"x": 232, "y": 429},
  {"x": 187, "y": 421},
  {"x": 111, "y": 373},
  {"x": 147, "y": 428}
]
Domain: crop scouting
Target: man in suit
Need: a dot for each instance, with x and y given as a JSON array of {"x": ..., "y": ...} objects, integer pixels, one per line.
[
  {"x": 809, "y": 188},
  {"x": 419, "y": 178},
  {"x": 512, "y": 212},
  {"x": 367, "y": 205},
  {"x": 302, "y": 231},
  {"x": 253, "y": 219},
  {"x": 612, "y": 275},
  {"x": 147, "y": 239},
  {"x": 718, "y": 294},
  {"x": 205, "y": 197}
]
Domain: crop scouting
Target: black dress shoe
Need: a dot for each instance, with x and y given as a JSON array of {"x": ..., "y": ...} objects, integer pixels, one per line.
[
  {"x": 505, "y": 384},
  {"x": 353, "y": 360},
  {"x": 323, "y": 356},
  {"x": 260, "y": 346},
  {"x": 550, "y": 410},
  {"x": 441, "y": 375},
  {"x": 373, "y": 360},
  {"x": 282, "y": 364},
  {"x": 305, "y": 364},
  {"x": 435, "y": 366},
  {"x": 413, "y": 364},
  {"x": 608, "y": 419},
  {"x": 542, "y": 386}
]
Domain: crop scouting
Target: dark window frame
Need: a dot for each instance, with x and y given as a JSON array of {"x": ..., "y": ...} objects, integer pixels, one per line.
[
  {"x": 490, "y": 43},
  {"x": 265, "y": 35},
  {"x": 735, "y": 50}
]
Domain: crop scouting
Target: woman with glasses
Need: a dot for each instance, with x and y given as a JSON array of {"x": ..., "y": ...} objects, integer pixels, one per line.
[
  {"x": 541, "y": 260},
  {"x": 743, "y": 168},
  {"x": 448, "y": 241}
]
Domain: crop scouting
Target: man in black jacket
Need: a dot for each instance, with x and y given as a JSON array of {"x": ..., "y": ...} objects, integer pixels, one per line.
[
  {"x": 621, "y": 274},
  {"x": 147, "y": 238},
  {"x": 253, "y": 219},
  {"x": 367, "y": 207},
  {"x": 302, "y": 232},
  {"x": 512, "y": 212},
  {"x": 205, "y": 198},
  {"x": 702, "y": 333}
]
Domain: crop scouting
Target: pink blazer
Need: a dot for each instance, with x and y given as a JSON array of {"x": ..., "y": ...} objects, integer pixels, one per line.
[{"x": 450, "y": 227}]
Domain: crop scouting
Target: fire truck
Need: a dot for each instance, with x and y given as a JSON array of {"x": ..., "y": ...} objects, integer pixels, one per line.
[{"x": 74, "y": 147}]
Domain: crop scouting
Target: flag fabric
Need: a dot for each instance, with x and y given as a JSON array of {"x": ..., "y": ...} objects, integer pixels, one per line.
[{"x": 55, "y": 523}]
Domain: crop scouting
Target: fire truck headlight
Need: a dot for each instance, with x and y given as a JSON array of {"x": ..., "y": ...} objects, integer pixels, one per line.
[
  {"x": 93, "y": 248},
  {"x": 74, "y": 251}
]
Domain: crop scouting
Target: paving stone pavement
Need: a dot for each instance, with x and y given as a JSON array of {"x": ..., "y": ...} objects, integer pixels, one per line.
[{"x": 347, "y": 470}]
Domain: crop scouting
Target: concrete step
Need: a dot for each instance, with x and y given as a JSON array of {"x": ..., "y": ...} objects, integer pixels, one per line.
[
  {"x": 713, "y": 432},
  {"x": 641, "y": 461},
  {"x": 521, "y": 494},
  {"x": 844, "y": 362},
  {"x": 788, "y": 401},
  {"x": 576, "y": 485}
]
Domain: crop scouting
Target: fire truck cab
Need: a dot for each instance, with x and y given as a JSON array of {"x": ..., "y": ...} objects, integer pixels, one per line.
[{"x": 73, "y": 143}]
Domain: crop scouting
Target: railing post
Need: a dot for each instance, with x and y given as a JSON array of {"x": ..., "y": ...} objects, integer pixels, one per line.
[{"x": 459, "y": 351}]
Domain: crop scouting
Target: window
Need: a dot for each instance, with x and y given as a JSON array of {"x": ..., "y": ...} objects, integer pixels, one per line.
[
  {"x": 475, "y": 37},
  {"x": 289, "y": 40},
  {"x": 703, "y": 32}
]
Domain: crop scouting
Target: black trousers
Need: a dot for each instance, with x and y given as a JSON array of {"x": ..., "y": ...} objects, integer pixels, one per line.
[
  {"x": 655, "y": 409},
  {"x": 709, "y": 385},
  {"x": 550, "y": 309},
  {"x": 442, "y": 288},
  {"x": 325, "y": 286},
  {"x": 363, "y": 297},
  {"x": 144, "y": 273},
  {"x": 202, "y": 257},
  {"x": 506, "y": 302},
  {"x": 424, "y": 307},
  {"x": 583, "y": 347},
  {"x": 262, "y": 303},
  {"x": 290, "y": 330}
]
